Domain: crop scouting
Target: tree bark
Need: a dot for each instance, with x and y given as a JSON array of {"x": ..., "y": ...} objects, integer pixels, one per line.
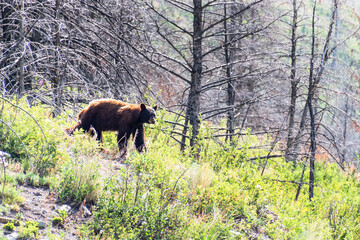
[
  {"x": 230, "y": 87},
  {"x": 294, "y": 86},
  {"x": 21, "y": 48},
  {"x": 193, "y": 106},
  {"x": 311, "y": 111},
  {"x": 346, "y": 110},
  {"x": 56, "y": 80},
  {"x": 7, "y": 12},
  {"x": 325, "y": 55}
]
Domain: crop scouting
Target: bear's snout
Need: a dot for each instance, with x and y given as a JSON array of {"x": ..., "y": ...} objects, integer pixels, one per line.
[{"x": 152, "y": 121}]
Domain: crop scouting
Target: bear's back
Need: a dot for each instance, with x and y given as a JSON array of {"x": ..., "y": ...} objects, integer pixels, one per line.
[{"x": 110, "y": 114}]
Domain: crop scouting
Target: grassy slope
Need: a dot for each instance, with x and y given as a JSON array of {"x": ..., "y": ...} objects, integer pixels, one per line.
[{"x": 168, "y": 194}]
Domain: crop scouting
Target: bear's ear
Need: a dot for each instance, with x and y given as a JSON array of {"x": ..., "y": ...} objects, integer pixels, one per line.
[
  {"x": 155, "y": 107},
  {"x": 142, "y": 106}
]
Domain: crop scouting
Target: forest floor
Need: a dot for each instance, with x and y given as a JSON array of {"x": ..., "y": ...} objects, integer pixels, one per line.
[{"x": 42, "y": 206}]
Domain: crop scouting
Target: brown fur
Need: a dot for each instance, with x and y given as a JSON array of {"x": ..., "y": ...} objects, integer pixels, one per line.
[{"x": 113, "y": 115}]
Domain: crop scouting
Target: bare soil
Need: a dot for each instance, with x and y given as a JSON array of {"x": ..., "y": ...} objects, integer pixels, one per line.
[{"x": 40, "y": 204}]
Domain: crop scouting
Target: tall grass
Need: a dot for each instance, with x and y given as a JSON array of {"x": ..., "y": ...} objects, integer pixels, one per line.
[{"x": 168, "y": 194}]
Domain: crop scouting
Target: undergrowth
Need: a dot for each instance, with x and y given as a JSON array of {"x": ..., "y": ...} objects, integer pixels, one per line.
[{"x": 168, "y": 194}]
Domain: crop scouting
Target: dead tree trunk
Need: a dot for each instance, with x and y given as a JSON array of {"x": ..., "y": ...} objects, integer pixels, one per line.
[
  {"x": 294, "y": 87},
  {"x": 56, "y": 79},
  {"x": 346, "y": 110},
  {"x": 230, "y": 87},
  {"x": 325, "y": 55},
  {"x": 8, "y": 32},
  {"x": 21, "y": 50},
  {"x": 311, "y": 111},
  {"x": 193, "y": 105}
]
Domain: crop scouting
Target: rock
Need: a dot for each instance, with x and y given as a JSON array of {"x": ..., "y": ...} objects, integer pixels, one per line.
[
  {"x": 42, "y": 225},
  {"x": 236, "y": 233},
  {"x": 86, "y": 212},
  {"x": 4, "y": 155},
  {"x": 6, "y": 219},
  {"x": 64, "y": 207},
  {"x": 12, "y": 236},
  {"x": 7, "y": 232}
]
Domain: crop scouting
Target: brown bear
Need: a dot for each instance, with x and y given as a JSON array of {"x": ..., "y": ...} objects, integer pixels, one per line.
[{"x": 113, "y": 115}]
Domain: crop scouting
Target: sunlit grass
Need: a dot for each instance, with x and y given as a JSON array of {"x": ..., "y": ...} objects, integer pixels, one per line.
[{"x": 165, "y": 193}]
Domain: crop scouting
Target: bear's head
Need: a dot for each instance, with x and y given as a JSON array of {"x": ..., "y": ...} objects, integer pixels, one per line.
[{"x": 147, "y": 114}]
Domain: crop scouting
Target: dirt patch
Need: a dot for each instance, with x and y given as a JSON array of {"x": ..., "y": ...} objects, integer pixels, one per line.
[{"x": 40, "y": 204}]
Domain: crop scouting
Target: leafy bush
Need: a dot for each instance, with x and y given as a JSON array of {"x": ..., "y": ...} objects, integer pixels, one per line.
[
  {"x": 63, "y": 213},
  {"x": 10, "y": 194},
  {"x": 23, "y": 136},
  {"x": 168, "y": 194},
  {"x": 30, "y": 230},
  {"x": 9, "y": 226},
  {"x": 57, "y": 221},
  {"x": 136, "y": 211},
  {"x": 79, "y": 180}
]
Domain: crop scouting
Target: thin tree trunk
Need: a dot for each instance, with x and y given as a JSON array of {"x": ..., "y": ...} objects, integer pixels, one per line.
[
  {"x": 326, "y": 53},
  {"x": 21, "y": 61},
  {"x": 56, "y": 79},
  {"x": 343, "y": 155},
  {"x": 311, "y": 111},
  {"x": 193, "y": 107},
  {"x": 183, "y": 139},
  {"x": 7, "y": 12},
  {"x": 300, "y": 185},
  {"x": 294, "y": 86},
  {"x": 230, "y": 87},
  {"x": 334, "y": 8}
]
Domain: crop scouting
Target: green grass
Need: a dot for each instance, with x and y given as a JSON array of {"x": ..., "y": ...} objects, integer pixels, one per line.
[{"x": 170, "y": 194}]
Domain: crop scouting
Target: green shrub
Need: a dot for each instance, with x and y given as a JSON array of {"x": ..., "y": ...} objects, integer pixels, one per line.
[
  {"x": 137, "y": 212},
  {"x": 10, "y": 194},
  {"x": 168, "y": 194},
  {"x": 79, "y": 180},
  {"x": 63, "y": 213},
  {"x": 57, "y": 220},
  {"x": 9, "y": 226},
  {"x": 30, "y": 230},
  {"x": 33, "y": 179},
  {"x": 20, "y": 178},
  {"x": 33, "y": 145}
]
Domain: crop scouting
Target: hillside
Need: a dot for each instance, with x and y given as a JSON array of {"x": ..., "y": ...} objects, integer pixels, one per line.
[{"x": 164, "y": 193}]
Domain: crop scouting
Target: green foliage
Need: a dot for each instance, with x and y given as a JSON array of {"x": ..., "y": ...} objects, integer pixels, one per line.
[
  {"x": 29, "y": 231},
  {"x": 22, "y": 135},
  {"x": 9, "y": 226},
  {"x": 63, "y": 213},
  {"x": 80, "y": 180},
  {"x": 136, "y": 211},
  {"x": 221, "y": 195},
  {"x": 34, "y": 179},
  {"x": 10, "y": 195},
  {"x": 57, "y": 221},
  {"x": 168, "y": 194}
]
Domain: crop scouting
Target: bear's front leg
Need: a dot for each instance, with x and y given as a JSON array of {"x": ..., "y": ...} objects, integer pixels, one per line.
[
  {"x": 140, "y": 138},
  {"x": 122, "y": 144}
]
